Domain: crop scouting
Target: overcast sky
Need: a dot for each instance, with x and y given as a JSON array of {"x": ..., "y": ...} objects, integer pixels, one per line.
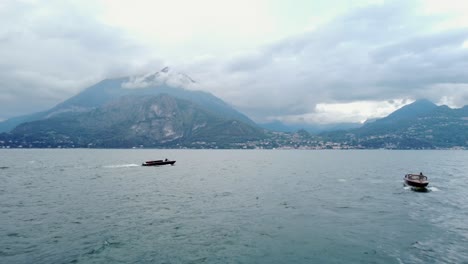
[{"x": 294, "y": 61}]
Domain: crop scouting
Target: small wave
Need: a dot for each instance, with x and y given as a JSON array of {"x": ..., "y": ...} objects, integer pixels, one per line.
[
  {"x": 103, "y": 246},
  {"x": 434, "y": 189},
  {"x": 13, "y": 235},
  {"x": 342, "y": 180},
  {"x": 223, "y": 194},
  {"x": 366, "y": 197},
  {"x": 122, "y": 166}
]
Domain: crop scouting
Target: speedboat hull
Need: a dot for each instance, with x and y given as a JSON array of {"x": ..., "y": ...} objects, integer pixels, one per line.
[
  {"x": 158, "y": 163},
  {"x": 416, "y": 180}
]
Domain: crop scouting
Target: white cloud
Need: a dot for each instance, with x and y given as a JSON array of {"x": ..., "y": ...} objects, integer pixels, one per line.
[
  {"x": 50, "y": 51},
  {"x": 452, "y": 94},
  {"x": 372, "y": 54},
  {"x": 166, "y": 76},
  {"x": 356, "y": 112},
  {"x": 465, "y": 44},
  {"x": 180, "y": 28}
]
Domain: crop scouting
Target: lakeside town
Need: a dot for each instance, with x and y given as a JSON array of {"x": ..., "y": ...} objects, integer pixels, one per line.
[{"x": 275, "y": 140}]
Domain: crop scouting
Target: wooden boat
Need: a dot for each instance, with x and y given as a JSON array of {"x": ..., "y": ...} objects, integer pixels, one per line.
[
  {"x": 158, "y": 162},
  {"x": 416, "y": 180}
]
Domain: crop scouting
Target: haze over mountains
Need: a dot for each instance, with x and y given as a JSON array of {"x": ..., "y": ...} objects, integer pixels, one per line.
[
  {"x": 164, "y": 109},
  {"x": 150, "y": 121},
  {"x": 421, "y": 124},
  {"x": 164, "y": 81},
  {"x": 151, "y": 110}
]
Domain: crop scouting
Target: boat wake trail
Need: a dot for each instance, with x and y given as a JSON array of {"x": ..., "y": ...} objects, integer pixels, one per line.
[
  {"x": 122, "y": 166},
  {"x": 427, "y": 189}
]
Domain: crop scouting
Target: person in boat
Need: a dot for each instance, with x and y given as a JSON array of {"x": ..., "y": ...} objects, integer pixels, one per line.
[
  {"x": 420, "y": 174},
  {"x": 167, "y": 160}
]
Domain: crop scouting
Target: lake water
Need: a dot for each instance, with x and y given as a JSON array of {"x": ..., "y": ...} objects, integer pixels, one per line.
[{"x": 232, "y": 206}]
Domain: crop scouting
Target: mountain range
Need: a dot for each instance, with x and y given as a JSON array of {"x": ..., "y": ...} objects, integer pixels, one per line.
[
  {"x": 153, "y": 110},
  {"x": 421, "y": 124},
  {"x": 164, "y": 109},
  {"x": 165, "y": 81},
  {"x": 149, "y": 121}
]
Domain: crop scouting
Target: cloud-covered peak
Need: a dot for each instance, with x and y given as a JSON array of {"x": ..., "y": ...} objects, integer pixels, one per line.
[{"x": 165, "y": 76}]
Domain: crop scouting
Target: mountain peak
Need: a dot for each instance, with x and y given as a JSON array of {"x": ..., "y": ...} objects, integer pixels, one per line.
[
  {"x": 423, "y": 103},
  {"x": 415, "y": 109},
  {"x": 165, "y": 76}
]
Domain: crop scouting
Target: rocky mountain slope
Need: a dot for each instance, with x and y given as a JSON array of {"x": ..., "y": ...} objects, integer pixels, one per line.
[
  {"x": 166, "y": 81},
  {"x": 137, "y": 121},
  {"x": 421, "y": 124}
]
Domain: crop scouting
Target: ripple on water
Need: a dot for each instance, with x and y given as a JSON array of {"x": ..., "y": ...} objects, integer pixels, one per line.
[
  {"x": 234, "y": 210},
  {"x": 223, "y": 194},
  {"x": 121, "y": 166},
  {"x": 366, "y": 197},
  {"x": 108, "y": 243}
]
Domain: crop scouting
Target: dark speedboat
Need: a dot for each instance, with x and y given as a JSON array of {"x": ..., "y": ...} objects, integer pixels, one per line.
[
  {"x": 158, "y": 162},
  {"x": 416, "y": 180}
]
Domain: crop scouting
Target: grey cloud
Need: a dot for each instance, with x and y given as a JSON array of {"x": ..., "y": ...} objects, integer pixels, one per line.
[
  {"x": 381, "y": 52},
  {"x": 52, "y": 50},
  {"x": 248, "y": 62},
  {"x": 452, "y": 39},
  {"x": 421, "y": 62}
]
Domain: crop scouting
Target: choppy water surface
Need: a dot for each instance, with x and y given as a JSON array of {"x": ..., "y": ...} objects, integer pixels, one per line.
[{"x": 231, "y": 206}]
